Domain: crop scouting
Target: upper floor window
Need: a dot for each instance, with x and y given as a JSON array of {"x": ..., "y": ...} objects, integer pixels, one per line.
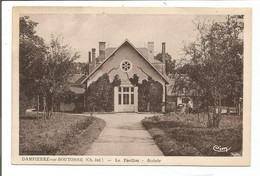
[{"x": 126, "y": 66}]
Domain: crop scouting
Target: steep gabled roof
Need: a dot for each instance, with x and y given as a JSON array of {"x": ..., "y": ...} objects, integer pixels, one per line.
[
  {"x": 109, "y": 56},
  {"x": 77, "y": 78},
  {"x": 143, "y": 51},
  {"x": 74, "y": 83},
  {"x": 77, "y": 89},
  {"x": 109, "y": 51}
]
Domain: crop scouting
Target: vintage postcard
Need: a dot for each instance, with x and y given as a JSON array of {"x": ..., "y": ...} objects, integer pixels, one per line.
[{"x": 131, "y": 86}]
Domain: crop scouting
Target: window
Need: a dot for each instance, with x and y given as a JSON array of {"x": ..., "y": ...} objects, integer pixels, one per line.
[
  {"x": 126, "y": 96},
  {"x": 126, "y": 66},
  {"x": 132, "y": 99},
  {"x": 126, "y": 89},
  {"x": 119, "y": 99}
]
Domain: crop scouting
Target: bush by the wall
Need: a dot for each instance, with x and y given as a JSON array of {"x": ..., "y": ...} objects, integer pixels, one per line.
[
  {"x": 150, "y": 94},
  {"x": 100, "y": 94}
]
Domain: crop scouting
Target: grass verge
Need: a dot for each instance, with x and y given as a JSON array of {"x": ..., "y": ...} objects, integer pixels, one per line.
[
  {"x": 62, "y": 134},
  {"x": 177, "y": 137}
]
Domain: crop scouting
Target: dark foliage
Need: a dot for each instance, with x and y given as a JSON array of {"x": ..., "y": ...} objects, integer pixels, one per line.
[
  {"x": 116, "y": 82},
  {"x": 44, "y": 69},
  {"x": 216, "y": 63},
  {"x": 100, "y": 94},
  {"x": 170, "y": 63},
  {"x": 81, "y": 67},
  {"x": 150, "y": 94},
  {"x": 31, "y": 54}
]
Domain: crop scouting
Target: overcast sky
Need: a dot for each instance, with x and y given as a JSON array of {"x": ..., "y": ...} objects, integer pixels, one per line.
[{"x": 83, "y": 32}]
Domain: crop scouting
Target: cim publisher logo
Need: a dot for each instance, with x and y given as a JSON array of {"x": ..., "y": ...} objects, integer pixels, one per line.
[{"x": 218, "y": 148}]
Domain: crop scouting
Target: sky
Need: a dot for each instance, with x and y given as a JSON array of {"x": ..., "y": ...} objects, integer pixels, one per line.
[{"x": 84, "y": 31}]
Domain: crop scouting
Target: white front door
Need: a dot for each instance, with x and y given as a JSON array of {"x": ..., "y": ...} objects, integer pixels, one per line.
[{"x": 125, "y": 99}]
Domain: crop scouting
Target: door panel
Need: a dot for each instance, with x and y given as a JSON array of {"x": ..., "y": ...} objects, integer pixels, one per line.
[{"x": 125, "y": 99}]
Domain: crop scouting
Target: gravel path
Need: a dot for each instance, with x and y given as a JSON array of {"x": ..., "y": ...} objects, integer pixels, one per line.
[{"x": 124, "y": 135}]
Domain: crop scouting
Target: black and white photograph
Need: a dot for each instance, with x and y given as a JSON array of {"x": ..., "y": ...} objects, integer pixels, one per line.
[{"x": 131, "y": 88}]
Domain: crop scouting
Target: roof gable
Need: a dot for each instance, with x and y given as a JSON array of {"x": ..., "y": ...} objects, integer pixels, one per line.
[
  {"x": 77, "y": 78},
  {"x": 143, "y": 51},
  {"x": 140, "y": 51}
]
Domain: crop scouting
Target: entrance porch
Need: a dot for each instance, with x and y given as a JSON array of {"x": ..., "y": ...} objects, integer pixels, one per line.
[{"x": 126, "y": 99}]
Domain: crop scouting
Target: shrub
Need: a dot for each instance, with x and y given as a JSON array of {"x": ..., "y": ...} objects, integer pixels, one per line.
[
  {"x": 170, "y": 106},
  {"x": 100, "y": 94},
  {"x": 150, "y": 94}
]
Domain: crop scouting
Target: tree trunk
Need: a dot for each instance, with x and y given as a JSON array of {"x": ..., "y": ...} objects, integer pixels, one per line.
[
  {"x": 218, "y": 117},
  {"x": 148, "y": 107},
  {"x": 38, "y": 106},
  {"x": 44, "y": 108},
  {"x": 198, "y": 113},
  {"x": 52, "y": 106},
  {"x": 209, "y": 124},
  {"x": 214, "y": 115}
]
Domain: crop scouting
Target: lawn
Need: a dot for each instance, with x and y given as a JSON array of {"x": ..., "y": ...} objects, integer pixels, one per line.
[
  {"x": 62, "y": 134},
  {"x": 188, "y": 135}
]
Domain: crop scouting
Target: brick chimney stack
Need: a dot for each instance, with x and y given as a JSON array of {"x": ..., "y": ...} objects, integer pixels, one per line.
[
  {"x": 163, "y": 58},
  {"x": 93, "y": 59},
  {"x": 102, "y": 48},
  {"x": 89, "y": 63}
]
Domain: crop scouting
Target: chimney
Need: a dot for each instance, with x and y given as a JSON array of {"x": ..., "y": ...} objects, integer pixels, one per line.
[
  {"x": 89, "y": 63},
  {"x": 93, "y": 59},
  {"x": 102, "y": 48},
  {"x": 151, "y": 52},
  {"x": 163, "y": 58}
]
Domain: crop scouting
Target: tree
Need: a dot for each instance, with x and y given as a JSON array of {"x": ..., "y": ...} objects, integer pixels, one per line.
[
  {"x": 170, "y": 63},
  {"x": 44, "y": 69},
  {"x": 31, "y": 55},
  {"x": 81, "y": 67},
  {"x": 58, "y": 65},
  {"x": 216, "y": 62}
]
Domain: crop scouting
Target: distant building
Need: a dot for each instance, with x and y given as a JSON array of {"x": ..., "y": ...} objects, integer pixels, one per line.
[
  {"x": 179, "y": 90},
  {"x": 73, "y": 100}
]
